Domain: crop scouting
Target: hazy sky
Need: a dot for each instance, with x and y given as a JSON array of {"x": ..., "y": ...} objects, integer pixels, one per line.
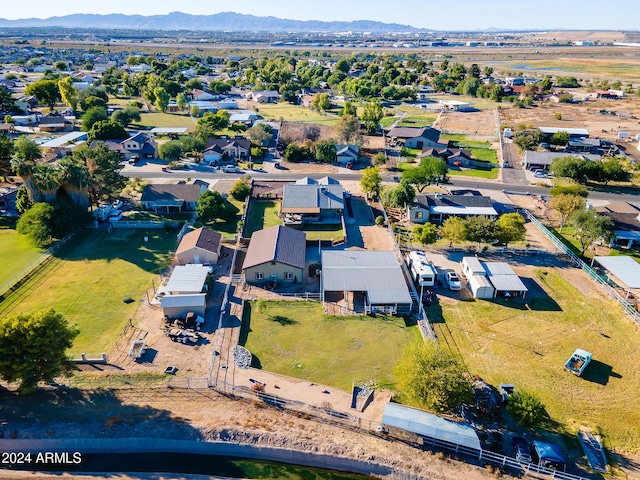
[{"x": 436, "y": 14}]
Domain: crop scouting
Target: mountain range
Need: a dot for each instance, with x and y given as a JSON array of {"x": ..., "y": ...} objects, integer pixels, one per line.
[{"x": 229, "y": 21}]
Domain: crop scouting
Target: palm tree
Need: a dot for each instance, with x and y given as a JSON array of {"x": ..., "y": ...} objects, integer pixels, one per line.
[
  {"x": 45, "y": 177},
  {"x": 73, "y": 177},
  {"x": 27, "y": 153}
]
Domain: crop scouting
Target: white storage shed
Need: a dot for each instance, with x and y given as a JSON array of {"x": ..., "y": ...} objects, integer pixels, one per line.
[
  {"x": 472, "y": 266},
  {"x": 481, "y": 287}
]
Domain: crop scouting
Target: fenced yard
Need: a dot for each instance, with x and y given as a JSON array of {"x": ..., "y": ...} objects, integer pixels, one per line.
[
  {"x": 17, "y": 253},
  {"x": 89, "y": 279},
  {"x": 297, "y": 339},
  {"x": 262, "y": 214},
  {"x": 527, "y": 342}
]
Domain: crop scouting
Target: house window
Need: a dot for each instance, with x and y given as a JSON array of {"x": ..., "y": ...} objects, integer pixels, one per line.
[
  {"x": 259, "y": 276},
  {"x": 418, "y": 215},
  {"x": 288, "y": 275}
]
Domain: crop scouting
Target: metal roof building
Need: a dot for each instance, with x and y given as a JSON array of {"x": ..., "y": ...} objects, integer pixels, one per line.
[
  {"x": 504, "y": 279},
  {"x": 430, "y": 426},
  {"x": 168, "y": 131},
  {"x": 179, "y": 305},
  {"x": 377, "y": 274},
  {"x": 624, "y": 268},
  {"x": 187, "y": 279},
  {"x": 65, "y": 139},
  {"x": 573, "y": 132}
]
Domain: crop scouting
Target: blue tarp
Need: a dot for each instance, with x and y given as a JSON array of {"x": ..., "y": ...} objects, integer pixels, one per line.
[{"x": 549, "y": 452}]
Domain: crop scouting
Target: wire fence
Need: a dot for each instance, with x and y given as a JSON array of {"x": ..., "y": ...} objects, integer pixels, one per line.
[
  {"x": 26, "y": 271},
  {"x": 613, "y": 293}
]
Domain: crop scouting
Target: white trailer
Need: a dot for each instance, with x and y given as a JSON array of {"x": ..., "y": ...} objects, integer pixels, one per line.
[{"x": 422, "y": 272}]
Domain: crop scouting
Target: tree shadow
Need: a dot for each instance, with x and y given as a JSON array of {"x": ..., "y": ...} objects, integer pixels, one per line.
[
  {"x": 255, "y": 362},
  {"x": 282, "y": 320},
  {"x": 245, "y": 328},
  {"x": 599, "y": 372}
]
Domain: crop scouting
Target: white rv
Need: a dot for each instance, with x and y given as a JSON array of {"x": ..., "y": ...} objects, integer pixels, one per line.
[{"x": 422, "y": 272}]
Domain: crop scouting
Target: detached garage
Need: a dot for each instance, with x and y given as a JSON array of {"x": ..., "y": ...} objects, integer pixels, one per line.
[
  {"x": 177, "y": 306},
  {"x": 481, "y": 287}
]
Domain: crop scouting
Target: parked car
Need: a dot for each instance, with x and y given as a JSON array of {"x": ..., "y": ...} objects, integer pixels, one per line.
[
  {"x": 453, "y": 281},
  {"x": 134, "y": 159},
  {"x": 115, "y": 216},
  {"x": 521, "y": 449},
  {"x": 540, "y": 174},
  {"x": 230, "y": 169},
  {"x": 349, "y": 165},
  {"x": 545, "y": 145}
]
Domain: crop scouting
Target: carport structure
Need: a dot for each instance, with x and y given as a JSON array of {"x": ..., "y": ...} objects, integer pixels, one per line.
[
  {"x": 504, "y": 279},
  {"x": 624, "y": 271}
]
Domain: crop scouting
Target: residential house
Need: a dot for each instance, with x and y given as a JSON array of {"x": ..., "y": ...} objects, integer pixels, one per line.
[
  {"x": 626, "y": 222},
  {"x": 413, "y": 137},
  {"x": 139, "y": 144},
  {"x": 227, "y": 104},
  {"x": 541, "y": 160},
  {"x": 363, "y": 281},
  {"x": 7, "y": 128},
  {"x": 457, "y": 157},
  {"x": 265, "y": 96},
  {"x": 275, "y": 254},
  {"x": 185, "y": 291},
  {"x": 26, "y": 103},
  {"x": 437, "y": 208},
  {"x": 246, "y": 117},
  {"x": 221, "y": 149},
  {"x": 171, "y": 197},
  {"x": 203, "y": 95},
  {"x": 346, "y": 154},
  {"x": 55, "y": 123},
  {"x": 203, "y": 105},
  {"x": 199, "y": 246},
  {"x": 310, "y": 201}
]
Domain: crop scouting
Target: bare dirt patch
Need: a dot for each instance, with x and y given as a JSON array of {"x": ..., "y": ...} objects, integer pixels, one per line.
[{"x": 481, "y": 123}]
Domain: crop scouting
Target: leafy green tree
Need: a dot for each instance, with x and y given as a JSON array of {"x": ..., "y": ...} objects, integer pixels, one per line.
[
  {"x": 566, "y": 204},
  {"x": 170, "y": 151},
  {"x": 528, "y": 139},
  {"x": 371, "y": 115},
  {"x": 455, "y": 230},
  {"x": 379, "y": 158},
  {"x": 36, "y": 224},
  {"x": 93, "y": 115},
  {"x": 7, "y": 102},
  {"x": 525, "y": 408},
  {"x": 481, "y": 229},
  {"x": 191, "y": 143},
  {"x": 211, "y": 206},
  {"x": 326, "y": 150},
  {"x": 379, "y": 220},
  {"x": 347, "y": 129},
  {"x": 195, "y": 111},
  {"x": 321, "y": 102},
  {"x": 560, "y": 138},
  {"x": 349, "y": 109},
  {"x": 511, "y": 228},
  {"x": 46, "y": 91},
  {"x": 88, "y": 103},
  {"x": 23, "y": 202},
  {"x": 240, "y": 190},
  {"x": 432, "y": 378},
  {"x": 162, "y": 98},
  {"x": 577, "y": 169},
  {"x": 425, "y": 234},
  {"x": 399, "y": 195},
  {"x": 27, "y": 153},
  {"x": 296, "y": 153},
  {"x": 181, "y": 101},
  {"x": 343, "y": 65},
  {"x": 103, "y": 165},
  {"x": 371, "y": 182},
  {"x": 6, "y": 153},
  {"x": 590, "y": 226},
  {"x": 613, "y": 171},
  {"x": 211, "y": 123},
  {"x": 260, "y": 134},
  {"x": 107, "y": 130},
  {"x": 130, "y": 114},
  {"x": 34, "y": 348},
  {"x": 60, "y": 65},
  {"x": 68, "y": 92}
]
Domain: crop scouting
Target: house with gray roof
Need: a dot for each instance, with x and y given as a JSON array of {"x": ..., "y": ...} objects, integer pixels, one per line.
[
  {"x": 172, "y": 198},
  {"x": 140, "y": 145},
  {"x": 275, "y": 254},
  {"x": 437, "y": 208},
  {"x": 347, "y": 154},
  {"x": 310, "y": 201},
  {"x": 533, "y": 160},
  {"x": 414, "y": 137},
  {"x": 363, "y": 281}
]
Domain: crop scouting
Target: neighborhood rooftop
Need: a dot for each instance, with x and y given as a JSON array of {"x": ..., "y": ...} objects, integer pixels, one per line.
[
  {"x": 276, "y": 244},
  {"x": 625, "y": 268},
  {"x": 187, "y": 278}
]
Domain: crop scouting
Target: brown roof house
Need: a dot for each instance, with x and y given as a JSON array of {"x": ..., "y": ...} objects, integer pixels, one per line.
[
  {"x": 55, "y": 123},
  {"x": 171, "y": 197},
  {"x": 199, "y": 246},
  {"x": 275, "y": 254}
]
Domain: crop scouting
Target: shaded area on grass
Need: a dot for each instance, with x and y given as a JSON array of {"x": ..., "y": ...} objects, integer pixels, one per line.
[
  {"x": 17, "y": 253},
  {"x": 262, "y": 214}
]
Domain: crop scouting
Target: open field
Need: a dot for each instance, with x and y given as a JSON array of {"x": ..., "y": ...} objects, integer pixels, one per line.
[
  {"x": 292, "y": 113},
  {"x": 628, "y": 68},
  {"x": 527, "y": 342},
  {"x": 298, "y": 340},
  {"x": 17, "y": 253},
  {"x": 159, "y": 119},
  {"x": 93, "y": 275},
  {"x": 262, "y": 214}
]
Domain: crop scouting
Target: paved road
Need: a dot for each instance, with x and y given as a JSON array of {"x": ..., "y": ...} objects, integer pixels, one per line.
[
  {"x": 455, "y": 182},
  {"x": 514, "y": 173}
]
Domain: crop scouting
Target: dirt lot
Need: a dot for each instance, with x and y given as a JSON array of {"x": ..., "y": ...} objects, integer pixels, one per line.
[{"x": 477, "y": 125}]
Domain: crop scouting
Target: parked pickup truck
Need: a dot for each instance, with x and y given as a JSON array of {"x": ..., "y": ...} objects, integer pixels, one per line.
[
  {"x": 182, "y": 336},
  {"x": 578, "y": 361}
]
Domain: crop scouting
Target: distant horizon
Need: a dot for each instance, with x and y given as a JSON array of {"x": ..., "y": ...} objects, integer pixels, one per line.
[{"x": 468, "y": 15}]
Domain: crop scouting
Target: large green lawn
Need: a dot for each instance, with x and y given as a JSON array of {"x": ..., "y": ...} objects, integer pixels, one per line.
[
  {"x": 527, "y": 343},
  {"x": 262, "y": 214},
  {"x": 17, "y": 253},
  {"x": 298, "y": 340},
  {"x": 294, "y": 113},
  {"x": 97, "y": 271},
  {"x": 324, "y": 232},
  {"x": 159, "y": 119}
]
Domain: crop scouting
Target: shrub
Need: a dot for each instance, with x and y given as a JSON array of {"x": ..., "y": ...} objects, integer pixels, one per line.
[
  {"x": 379, "y": 220},
  {"x": 525, "y": 408}
]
